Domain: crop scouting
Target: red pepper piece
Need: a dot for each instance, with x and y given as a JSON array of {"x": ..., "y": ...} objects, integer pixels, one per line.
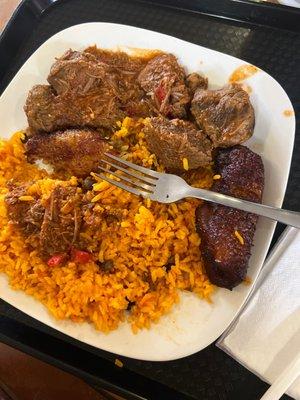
[
  {"x": 56, "y": 260},
  {"x": 80, "y": 256},
  {"x": 160, "y": 93}
]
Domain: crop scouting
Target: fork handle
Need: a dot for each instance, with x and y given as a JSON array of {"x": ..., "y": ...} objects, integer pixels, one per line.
[{"x": 291, "y": 218}]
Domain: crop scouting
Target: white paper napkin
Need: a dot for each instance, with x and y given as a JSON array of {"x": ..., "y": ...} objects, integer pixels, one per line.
[
  {"x": 291, "y": 3},
  {"x": 266, "y": 336}
]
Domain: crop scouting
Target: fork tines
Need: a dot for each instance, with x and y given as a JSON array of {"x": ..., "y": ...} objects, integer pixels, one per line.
[{"x": 127, "y": 176}]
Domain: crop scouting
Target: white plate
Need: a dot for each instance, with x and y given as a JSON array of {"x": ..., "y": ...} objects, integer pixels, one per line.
[{"x": 193, "y": 324}]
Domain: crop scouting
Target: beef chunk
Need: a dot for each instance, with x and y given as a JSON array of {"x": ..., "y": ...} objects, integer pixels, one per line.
[
  {"x": 27, "y": 215},
  {"x": 163, "y": 79},
  {"x": 88, "y": 71},
  {"x": 172, "y": 141},
  {"x": 75, "y": 151},
  {"x": 55, "y": 224},
  {"x": 118, "y": 60},
  {"x": 83, "y": 92},
  {"x": 94, "y": 88},
  {"x": 126, "y": 69},
  {"x": 226, "y": 233},
  {"x": 40, "y": 110},
  {"x": 79, "y": 73},
  {"x": 226, "y": 115},
  {"x": 61, "y": 223},
  {"x": 47, "y": 112},
  {"x": 123, "y": 68},
  {"x": 195, "y": 81}
]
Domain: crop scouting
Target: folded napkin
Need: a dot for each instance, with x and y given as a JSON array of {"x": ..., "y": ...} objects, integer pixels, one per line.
[
  {"x": 265, "y": 338},
  {"x": 291, "y": 3}
]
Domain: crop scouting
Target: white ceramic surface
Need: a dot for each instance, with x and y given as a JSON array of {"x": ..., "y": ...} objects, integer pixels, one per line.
[{"x": 193, "y": 324}]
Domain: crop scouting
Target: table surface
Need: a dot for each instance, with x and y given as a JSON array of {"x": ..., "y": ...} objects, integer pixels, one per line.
[{"x": 7, "y": 7}]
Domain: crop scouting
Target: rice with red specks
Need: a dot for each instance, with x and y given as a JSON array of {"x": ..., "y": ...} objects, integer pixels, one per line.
[{"x": 154, "y": 248}]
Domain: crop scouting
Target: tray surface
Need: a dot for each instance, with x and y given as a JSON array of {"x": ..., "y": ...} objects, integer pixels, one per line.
[{"x": 277, "y": 52}]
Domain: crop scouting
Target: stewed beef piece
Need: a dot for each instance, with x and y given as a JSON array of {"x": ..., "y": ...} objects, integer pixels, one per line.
[
  {"x": 83, "y": 91},
  {"x": 26, "y": 214},
  {"x": 47, "y": 112},
  {"x": 195, "y": 81},
  {"x": 94, "y": 88},
  {"x": 173, "y": 140},
  {"x": 78, "y": 72},
  {"x": 226, "y": 115},
  {"x": 61, "y": 223},
  {"x": 163, "y": 79},
  {"x": 55, "y": 223}
]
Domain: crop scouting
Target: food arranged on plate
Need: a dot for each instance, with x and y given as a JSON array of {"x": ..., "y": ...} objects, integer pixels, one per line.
[{"x": 92, "y": 252}]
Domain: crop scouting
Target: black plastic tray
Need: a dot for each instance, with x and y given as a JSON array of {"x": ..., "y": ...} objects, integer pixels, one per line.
[{"x": 262, "y": 34}]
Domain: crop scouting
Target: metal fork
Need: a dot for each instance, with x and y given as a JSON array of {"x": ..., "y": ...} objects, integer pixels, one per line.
[{"x": 168, "y": 188}]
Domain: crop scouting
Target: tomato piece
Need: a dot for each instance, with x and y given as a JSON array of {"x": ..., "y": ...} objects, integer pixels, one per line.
[
  {"x": 56, "y": 260},
  {"x": 160, "y": 93},
  {"x": 80, "y": 256}
]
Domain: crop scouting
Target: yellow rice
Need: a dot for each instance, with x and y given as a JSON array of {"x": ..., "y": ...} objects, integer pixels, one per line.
[
  {"x": 148, "y": 235},
  {"x": 239, "y": 237}
]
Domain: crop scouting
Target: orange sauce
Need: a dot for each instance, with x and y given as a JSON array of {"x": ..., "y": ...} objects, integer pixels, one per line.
[
  {"x": 288, "y": 113},
  {"x": 145, "y": 54},
  {"x": 247, "y": 281},
  {"x": 243, "y": 72}
]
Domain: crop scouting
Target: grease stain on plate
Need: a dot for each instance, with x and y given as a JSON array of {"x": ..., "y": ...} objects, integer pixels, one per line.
[
  {"x": 288, "y": 113},
  {"x": 242, "y": 72},
  {"x": 146, "y": 54}
]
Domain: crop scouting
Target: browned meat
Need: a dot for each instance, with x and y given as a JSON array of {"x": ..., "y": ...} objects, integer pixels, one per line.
[
  {"x": 47, "y": 112},
  {"x": 223, "y": 229},
  {"x": 126, "y": 70},
  {"x": 226, "y": 115},
  {"x": 75, "y": 151},
  {"x": 55, "y": 224},
  {"x": 27, "y": 215},
  {"x": 173, "y": 140},
  {"x": 195, "y": 81},
  {"x": 40, "y": 110},
  {"x": 94, "y": 88},
  {"x": 163, "y": 79},
  {"x": 79, "y": 73},
  {"x": 235, "y": 165},
  {"x": 61, "y": 223},
  {"x": 118, "y": 60}
]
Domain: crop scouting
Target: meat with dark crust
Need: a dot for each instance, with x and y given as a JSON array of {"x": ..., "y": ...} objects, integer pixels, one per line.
[
  {"x": 226, "y": 233},
  {"x": 74, "y": 151},
  {"x": 226, "y": 115}
]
